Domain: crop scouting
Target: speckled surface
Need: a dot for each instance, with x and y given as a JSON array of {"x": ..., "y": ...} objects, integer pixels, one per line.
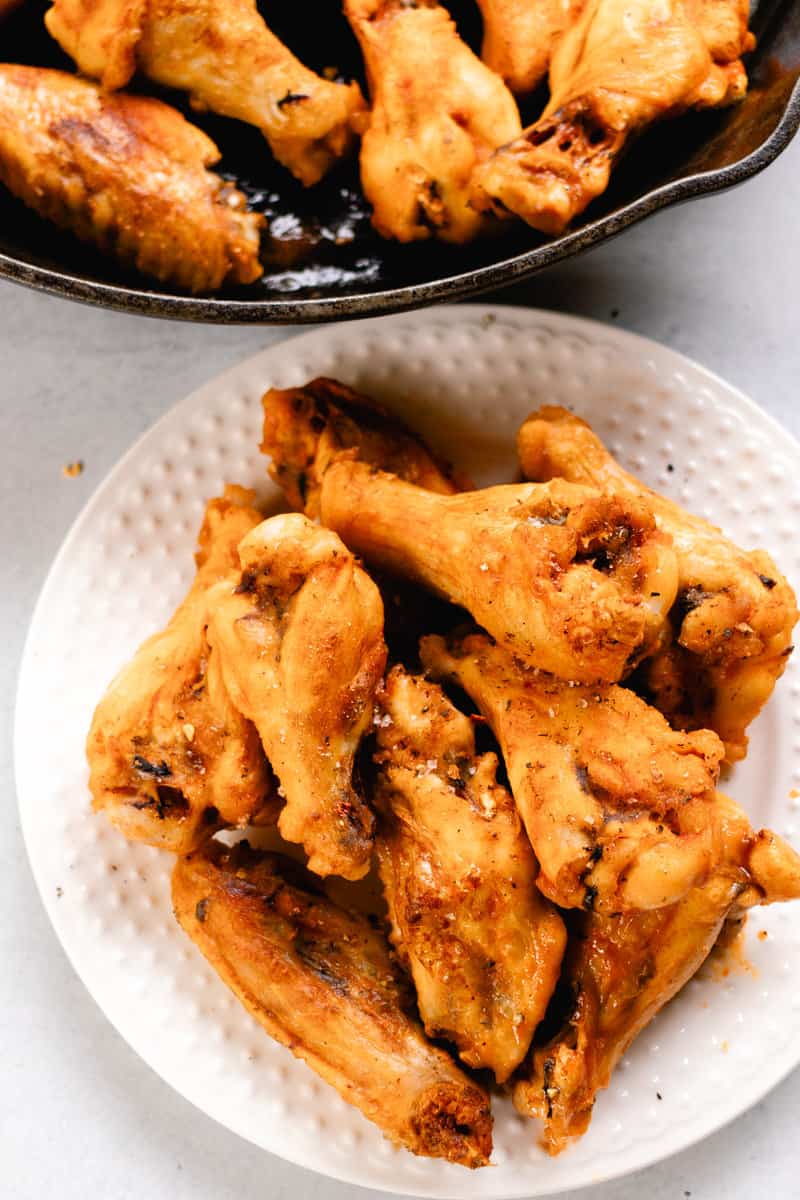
[{"x": 78, "y": 1111}]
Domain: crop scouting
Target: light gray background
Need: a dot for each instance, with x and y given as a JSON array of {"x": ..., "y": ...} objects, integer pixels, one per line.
[{"x": 80, "y": 1115}]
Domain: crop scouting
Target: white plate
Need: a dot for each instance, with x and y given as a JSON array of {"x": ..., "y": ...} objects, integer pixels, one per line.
[{"x": 465, "y": 377}]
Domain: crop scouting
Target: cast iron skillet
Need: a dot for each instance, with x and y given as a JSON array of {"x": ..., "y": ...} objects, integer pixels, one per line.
[{"x": 324, "y": 262}]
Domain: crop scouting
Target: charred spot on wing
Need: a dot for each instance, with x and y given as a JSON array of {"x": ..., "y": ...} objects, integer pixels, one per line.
[
  {"x": 292, "y": 98},
  {"x": 246, "y": 585},
  {"x": 768, "y": 583},
  {"x": 312, "y": 956},
  {"x": 201, "y": 910},
  {"x": 152, "y": 770},
  {"x": 687, "y": 602}
]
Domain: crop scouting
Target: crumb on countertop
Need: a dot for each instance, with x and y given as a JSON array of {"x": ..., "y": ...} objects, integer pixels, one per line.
[{"x": 72, "y": 469}]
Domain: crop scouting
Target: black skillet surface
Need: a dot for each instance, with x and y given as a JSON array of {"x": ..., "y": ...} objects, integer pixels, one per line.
[{"x": 324, "y": 261}]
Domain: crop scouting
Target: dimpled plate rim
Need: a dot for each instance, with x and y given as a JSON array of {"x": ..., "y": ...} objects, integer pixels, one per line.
[{"x": 123, "y": 567}]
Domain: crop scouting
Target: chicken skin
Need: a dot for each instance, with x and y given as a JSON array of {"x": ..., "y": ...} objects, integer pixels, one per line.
[
  {"x": 617, "y": 68},
  {"x": 621, "y": 970},
  {"x": 128, "y": 175},
  {"x": 300, "y": 641},
  {"x": 322, "y": 982},
  {"x": 618, "y": 807},
  {"x": 223, "y": 54},
  {"x": 518, "y": 38},
  {"x": 729, "y": 633},
  {"x": 170, "y": 758},
  {"x": 482, "y": 944},
  {"x": 437, "y": 111},
  {"x": 566, "y": 580},
  {"x": 306, "y": 428}
]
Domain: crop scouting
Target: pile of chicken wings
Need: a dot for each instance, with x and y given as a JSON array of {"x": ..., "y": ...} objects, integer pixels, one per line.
[
  {"x": 509, "y": 706},
  {"x": 442, "y": 149}
]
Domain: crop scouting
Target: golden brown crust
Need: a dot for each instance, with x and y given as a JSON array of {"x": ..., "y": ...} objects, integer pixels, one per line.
[
  {"x": 170, "y": 758},
  {"x": 518, "y": 38},
  {"x": 482, "y": 944},
  {"x": 729, "y": 633},
  {"x": 127, "y": 174},
  {"x": 300, "y": 640},
  {"x": 321, "y": 981},
  {"x": 306, "y": 428},
  {"x": 566, "y": 580}
]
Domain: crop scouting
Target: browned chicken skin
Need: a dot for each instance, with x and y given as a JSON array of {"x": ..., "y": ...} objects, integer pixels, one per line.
[
  {"x": 322, "y": 981},
  {"x": 301, "y": 648},
  {"x": 170, "y": 758},
  {"x": 127, "y": 174},
  {"x": 730, "y": 631},
  {"x": 618, "y": 806},
  {"x": 225, "y": 56},
  {"x": 518, "y": 38},
  {"x": 621, "y": 970},
  {"x": 567, "y": 581},
  {"x": 437, "y": 111},
  {"x": 306, "y": 428},
  {"x": 617, "y": 68},
  {"x": 482, "y": 944}
]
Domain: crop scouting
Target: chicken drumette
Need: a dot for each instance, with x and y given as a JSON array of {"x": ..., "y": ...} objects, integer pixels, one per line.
[
  {"x": 321, "y": 981},
  {"x": 518, "y": 38},
  {"x": 618, "y": 807},
  {"x": 482, "y": 944},
  {"x": 306, "y": 428},
  {"x": 225, "y": 56},
  {"x": 729, "y": 632},
  {"x": 127, "y": 174},
  {"x": 437, "y": 112},
  {"x": 617, "y": 68},
  {"x": 569, "y": 580},
  {"x": 621, "y": 970},
  {"x": 300, "y": 640},
  {"x": 170, "y": 758}
]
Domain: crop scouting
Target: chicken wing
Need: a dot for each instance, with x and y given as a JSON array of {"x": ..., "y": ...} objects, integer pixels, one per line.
[
  {"x": 482, "y": 944},
  {"x": 170, "y": 758},
  {"x": 729, "y": 632},
  {"x": 618, "y": 806},
  {"x": 321, "y": 981},
  {"x": 128, "y": 175},
  {"x": 301, "y": 648},
  {"x": 518, "y": 38},
  {"x": 437, "y": 111},
  {"x": 569, "y": 582},
  {"x": 621, "y": 970},
  {"x": 224, "y": 55},
  {"x": 306, "y": 428},
  {"x": 617, "y": 68}
]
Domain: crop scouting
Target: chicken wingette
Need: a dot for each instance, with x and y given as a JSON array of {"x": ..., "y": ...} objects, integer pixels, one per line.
[
  {"x": 300, "y": 640},
  {"x": 170, "y": 758},
  {"x": 569, "y": 580},
  {"x": 322, "y": 981},
  {"x": 729, "y": 633},
  {"x": 618, "y": 807},
  {"x": 621, "y": 970},
  {"x": 437, "y": 112},
  {"x": 224, "y": 55},
  {"x": 518, "y": 38},
  {"x": 127, "y": 174},
  {"x": 617, "y": 68},
  {"x": 482, "y": 944},
  {"x": 306, "y": 428}
]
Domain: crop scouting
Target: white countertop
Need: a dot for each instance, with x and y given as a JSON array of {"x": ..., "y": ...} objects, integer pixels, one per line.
[{"x": 80, "y": 1114}]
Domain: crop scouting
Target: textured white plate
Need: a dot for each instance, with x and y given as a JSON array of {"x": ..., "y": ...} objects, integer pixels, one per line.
[{"x": 465, "y": 377}]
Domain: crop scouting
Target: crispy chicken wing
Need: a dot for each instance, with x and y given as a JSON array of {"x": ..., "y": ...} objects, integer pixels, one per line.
[
  {"x": 127, "y": 174},
  {"x": 729, "y": 634},
  {"x": 618, "y": 806},
  {"x": 224, "y": 55},
  {"x": 301, "y": 646},
  {"x": 170, "y": 758},
  {"x": 321, "y": 981},
  {"x": 621, "y": 970},
  {"x": 437, "y": 111},
  {"x": 482, "y": 944},
  {"x": 617, "y": 68},
  {"x": 518, "y": 38},
  {"x": 306, "y": 428},
  {"x": 568, "y": 581}
]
